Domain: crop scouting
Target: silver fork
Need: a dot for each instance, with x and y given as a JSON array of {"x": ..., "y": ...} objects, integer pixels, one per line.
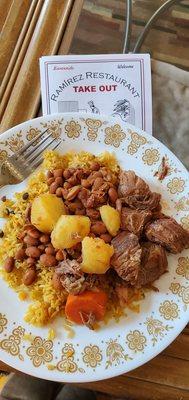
[{"x": 21, "y": 164}]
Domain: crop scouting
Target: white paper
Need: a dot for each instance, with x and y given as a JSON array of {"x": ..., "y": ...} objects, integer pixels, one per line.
[{"x": 117, "y": 85}]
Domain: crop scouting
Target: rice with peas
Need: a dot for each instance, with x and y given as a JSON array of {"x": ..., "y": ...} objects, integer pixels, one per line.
[{"x": 46, "y": 302}]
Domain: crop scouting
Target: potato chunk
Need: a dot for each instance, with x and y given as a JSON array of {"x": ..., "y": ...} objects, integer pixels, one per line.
[
  {"x": 96, "y": 255},
  {"x": 111, "y": 218},
  {"x": 45, "y": 212},
  {"x": 70, "y": 230}
]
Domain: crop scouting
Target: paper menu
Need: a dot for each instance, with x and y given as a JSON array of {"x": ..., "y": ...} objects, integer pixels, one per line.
[{"x": 117, "y": 85}]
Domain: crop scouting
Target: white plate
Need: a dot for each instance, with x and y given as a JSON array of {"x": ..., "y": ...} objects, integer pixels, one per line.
[{"x": 116, "y": 348}]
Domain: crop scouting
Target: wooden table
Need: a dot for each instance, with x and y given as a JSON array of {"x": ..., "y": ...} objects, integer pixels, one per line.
[{"x": 32, "y": 28}]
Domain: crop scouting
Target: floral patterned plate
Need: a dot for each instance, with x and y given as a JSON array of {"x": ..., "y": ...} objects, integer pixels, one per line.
[{"x": 117, "y": 347}]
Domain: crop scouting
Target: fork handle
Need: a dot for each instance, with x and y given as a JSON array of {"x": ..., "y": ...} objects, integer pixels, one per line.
[
  {"x": 4, "y": 178},
  {"x": 3, "y": 182}
]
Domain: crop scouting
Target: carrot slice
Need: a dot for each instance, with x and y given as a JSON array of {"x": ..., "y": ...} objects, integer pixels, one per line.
[{"x": 78, "y": 307}]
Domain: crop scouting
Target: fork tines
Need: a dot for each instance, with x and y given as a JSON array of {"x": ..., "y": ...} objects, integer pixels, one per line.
[
  {"x": 27, "y": 146},
  {"x": 46, "y": 143},
  {"x": 31, "y": 153},
  {"x": 40, "y": 159}
]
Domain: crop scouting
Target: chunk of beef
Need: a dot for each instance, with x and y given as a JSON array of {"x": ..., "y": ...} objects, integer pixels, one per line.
[
  {"x": 134, "y": 220},
  {"x": 136, "y": 192},
  {"x": 127, "y": 256},
  {"x": 153, "y": 264},
  {"x": 163, "y": 170},
  {"x": 94, "y": 281},
  {"x": 168, "y": 233},
  {"x": 71, "y": 276},
  {"x": 157, "y": 214},
  {"x": 73, "y": 284},
  {"x": 131, "y": 184},
  {"x": 67, "y": 266}
]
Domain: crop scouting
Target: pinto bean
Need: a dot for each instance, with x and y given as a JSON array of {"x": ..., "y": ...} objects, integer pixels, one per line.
[
  {"x": 50, "y": 249},
  {"x": 118, "y": 205},
  {"x": 64, "y": 193},
  {"x": 41, "y": 247},
  {"x": 59, "y": 192},
  {"x": 80, "y": 212},
  {"x": 29, "y": 276},
  {"x": 98, "y": 228},
  {"x": 76, "y": 203},
  {"x": 56, "y": 281},
  {"x": 33, "y": 233},
  {"x": 9, "y": 264},
  {"x": 67, "y": 185},
  {"x": 108, "y": 177},
  {"x": 86, "y": 183},
  {"x": 53, "y": 187},
  {"x": 73, "y": 192},
  {"x": 98, "y": 183},
  {"x": 59, "y": 181},
  {"x": 83, "y": 195},
  {"x": 31, "y": 261},
  {"x": 49, "y": 174},
  {"x": 104, "y": 171},
  {"x": 21, "y": 236},
  {"x": 95, "y": 166},
  {"x": 73, "y": 180},
  {"x": 68, "y": 172},
  {"x": 60, "y": 255},
  {"x": 44, "y": 238},
  {"x": 33, "y": 252},
  {"x": 86, "y": 172},
  {"x": 94, "y": 175},
  {"x": 58, "y": 172},
  {"x": 79, "y": 174},
  {"x": 48, "y": 260},
  {"x": 93, "y": 214},
  {"x": 73, "y": 206},
  {"x": 28, "y": 226},
  {"x": 113, "y": 195},
  {"x": 92, "y": 235},
  {"x": 50, "y": 181},
  {"x": 20, "y": 255},
  {"x": 106, "y": 237},
  {"x": 31, "y": 241}
]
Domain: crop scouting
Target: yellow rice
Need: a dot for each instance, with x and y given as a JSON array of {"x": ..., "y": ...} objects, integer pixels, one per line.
[{"x": 46, "y": 303}]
